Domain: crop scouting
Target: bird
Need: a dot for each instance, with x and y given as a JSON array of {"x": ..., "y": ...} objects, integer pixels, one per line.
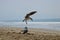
[{"x": 27, "y": 17}]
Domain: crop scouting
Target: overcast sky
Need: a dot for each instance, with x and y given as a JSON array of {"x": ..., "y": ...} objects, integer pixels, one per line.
[{"x": 17, "y": 9}]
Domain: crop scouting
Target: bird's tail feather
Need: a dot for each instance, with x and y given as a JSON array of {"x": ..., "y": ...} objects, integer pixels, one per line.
[{"x": 31, "y": 19}]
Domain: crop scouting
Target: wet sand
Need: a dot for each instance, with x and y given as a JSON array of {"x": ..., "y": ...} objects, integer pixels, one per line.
[{"x": 14, "y": 33}]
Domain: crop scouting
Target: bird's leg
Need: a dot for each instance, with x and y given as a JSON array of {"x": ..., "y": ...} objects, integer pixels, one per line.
[{"x": 26, "y": 21}]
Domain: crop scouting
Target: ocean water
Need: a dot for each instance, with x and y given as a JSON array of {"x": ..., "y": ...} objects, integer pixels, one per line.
[{"x": 45, "y": 25}]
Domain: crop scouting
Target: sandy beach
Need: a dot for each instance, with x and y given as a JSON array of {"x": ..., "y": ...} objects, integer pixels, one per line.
[{"x": 14, "y": 33}]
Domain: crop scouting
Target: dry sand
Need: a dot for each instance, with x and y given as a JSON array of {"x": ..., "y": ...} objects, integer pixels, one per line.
[{"x": 11, "y": 33}]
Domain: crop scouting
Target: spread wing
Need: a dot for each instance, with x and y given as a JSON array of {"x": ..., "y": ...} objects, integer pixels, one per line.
[{"x": 31, "y": 13}]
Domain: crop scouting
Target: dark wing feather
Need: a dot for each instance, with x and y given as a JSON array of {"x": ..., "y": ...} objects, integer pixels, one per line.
[{"x": 31, "y": 13}]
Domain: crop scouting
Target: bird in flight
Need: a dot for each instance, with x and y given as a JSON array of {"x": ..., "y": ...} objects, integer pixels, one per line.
[{"x": 27, "y": 17}]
